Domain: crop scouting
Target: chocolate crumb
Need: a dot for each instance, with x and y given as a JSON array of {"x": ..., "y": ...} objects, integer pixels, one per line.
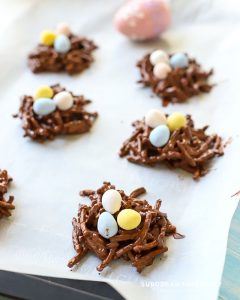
[
  {"x": 45, "y": 59},
  {"x": 72, "y": 121},
  {"x": 139, "y": 246},
  {"x": 179, "y": 85},
  {"x": 6, "y": 206},
  {"x": 188, "y": 148}
]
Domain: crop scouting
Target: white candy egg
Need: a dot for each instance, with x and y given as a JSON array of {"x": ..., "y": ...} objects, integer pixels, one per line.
[
  {"x": 159, "y": 136},
  {"x": 107, "y": 225},
  {"x": 62, "y": 43},
  {"x": 158, "y": 56},
  {"x": 44, "y": 106},
  {"x": 63, "y": 100},
  {"x": 111, "y": 201},
  {"x": 154, "y": 118}
]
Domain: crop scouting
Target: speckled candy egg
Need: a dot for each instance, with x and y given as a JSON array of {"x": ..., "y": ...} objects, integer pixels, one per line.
[
  {"x": 154, "y": 118},
  {"x": 128, "y": 219},
  {"x": 62, "y": 43},
  {"x": 63, "y": 100},
  {"x": 44, "y": 106},
  {"x": 111, "y": 201},
  {"x": 143, "y": 19},
  {"x": 63, "y": 28},
  {"x": 161, "y": 70},
  {"x": 176, "y": 120},
  {"x": 158, "y": 56},
  {"x": 159, "y": 136},
  {"x": 43, "y": 91},
  {"x": 179, "y": 60},
  {"x": 107, "y": 225},
  {"x": 47, "y": 37}
]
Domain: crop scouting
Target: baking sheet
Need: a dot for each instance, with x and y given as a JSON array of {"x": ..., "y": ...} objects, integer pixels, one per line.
[{"x": 48, "y": 177}]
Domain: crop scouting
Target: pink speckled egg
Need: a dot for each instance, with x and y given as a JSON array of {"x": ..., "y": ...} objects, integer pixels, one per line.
[
  {"x": 161, "y": 70},
  {"x": 143, "y": 19}
]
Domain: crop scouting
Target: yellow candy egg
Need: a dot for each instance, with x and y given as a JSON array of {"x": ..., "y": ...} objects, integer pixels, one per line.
[
  {"x": 176, "y": 120},
  {"x": 47, "y": 37},
  {"x": 128, "y": 219},
  {"x": 44, "y": 91}
]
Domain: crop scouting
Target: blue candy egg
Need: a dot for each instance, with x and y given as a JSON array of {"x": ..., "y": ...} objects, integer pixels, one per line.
[
  {"x": 44, "y": 106},
  {"x": 159, "y": 136},
  {"x": 179, "y": 60},
  {"x": 107, "y": 225},
  {"x": 62, "y": 43}
]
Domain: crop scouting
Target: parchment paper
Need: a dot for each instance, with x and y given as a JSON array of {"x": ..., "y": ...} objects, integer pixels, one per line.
[{"x": 48, "y": 177}]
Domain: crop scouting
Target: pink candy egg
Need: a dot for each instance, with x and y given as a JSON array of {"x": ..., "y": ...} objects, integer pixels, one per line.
[
  {"x": 143, "y": 19},
  {"x": 63, "y": 28},
  {"x": 161, "y": 70}
]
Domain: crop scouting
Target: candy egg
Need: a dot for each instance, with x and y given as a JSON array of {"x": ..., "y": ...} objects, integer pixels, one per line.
[
  {"x": 128, "y": 219},
  {"x": 176, "y": 120},
  {"x": 154, "y": 118},
  {"x": 63, "y": 100},
  {"x": 63, "y": 28},
  {"x": 179, "y": 60},
  {"x": 62, "y": 43},
  {"x": 44, "y": 106},
  {"x": 107, "y": 225},
  {"x": 161, "y": 70},
  {"x": 111, "y": 201},
  {"x": 159, "y": 136},
  {"x": 158, "y": 56},
  {"x": 47, "y": 37},
  {"x": 43, "y": 91},
  {"x": 143, "y": 19}
]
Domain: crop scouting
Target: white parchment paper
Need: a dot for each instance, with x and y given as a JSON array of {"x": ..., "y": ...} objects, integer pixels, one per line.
[{"x": 48, "y": 177}]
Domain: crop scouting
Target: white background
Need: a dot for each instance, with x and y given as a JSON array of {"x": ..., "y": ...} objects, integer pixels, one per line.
[{"x": 48, "y": 177}]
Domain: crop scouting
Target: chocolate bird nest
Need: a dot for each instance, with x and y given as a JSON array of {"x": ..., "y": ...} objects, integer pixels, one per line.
[
  {"x": 45, "y": 59},
  {"x": 188, "y": 148},
  {"x": 179, "y": 85},
  {"x": 139, "y": 246},
  {"x": 6, "y": 205},
  {"x": 72, "y": 121}
]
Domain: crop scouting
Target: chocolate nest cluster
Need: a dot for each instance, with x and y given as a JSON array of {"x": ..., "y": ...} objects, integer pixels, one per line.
[
  {"x": 72, "y": 121},
  {"x": 6, "y": 205},
  {"x": 45, "y": 58},
  {"x": 179, "y": 85},
  {"x": 139, "y": 246},
  {"x": 188, "y": 148}
]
